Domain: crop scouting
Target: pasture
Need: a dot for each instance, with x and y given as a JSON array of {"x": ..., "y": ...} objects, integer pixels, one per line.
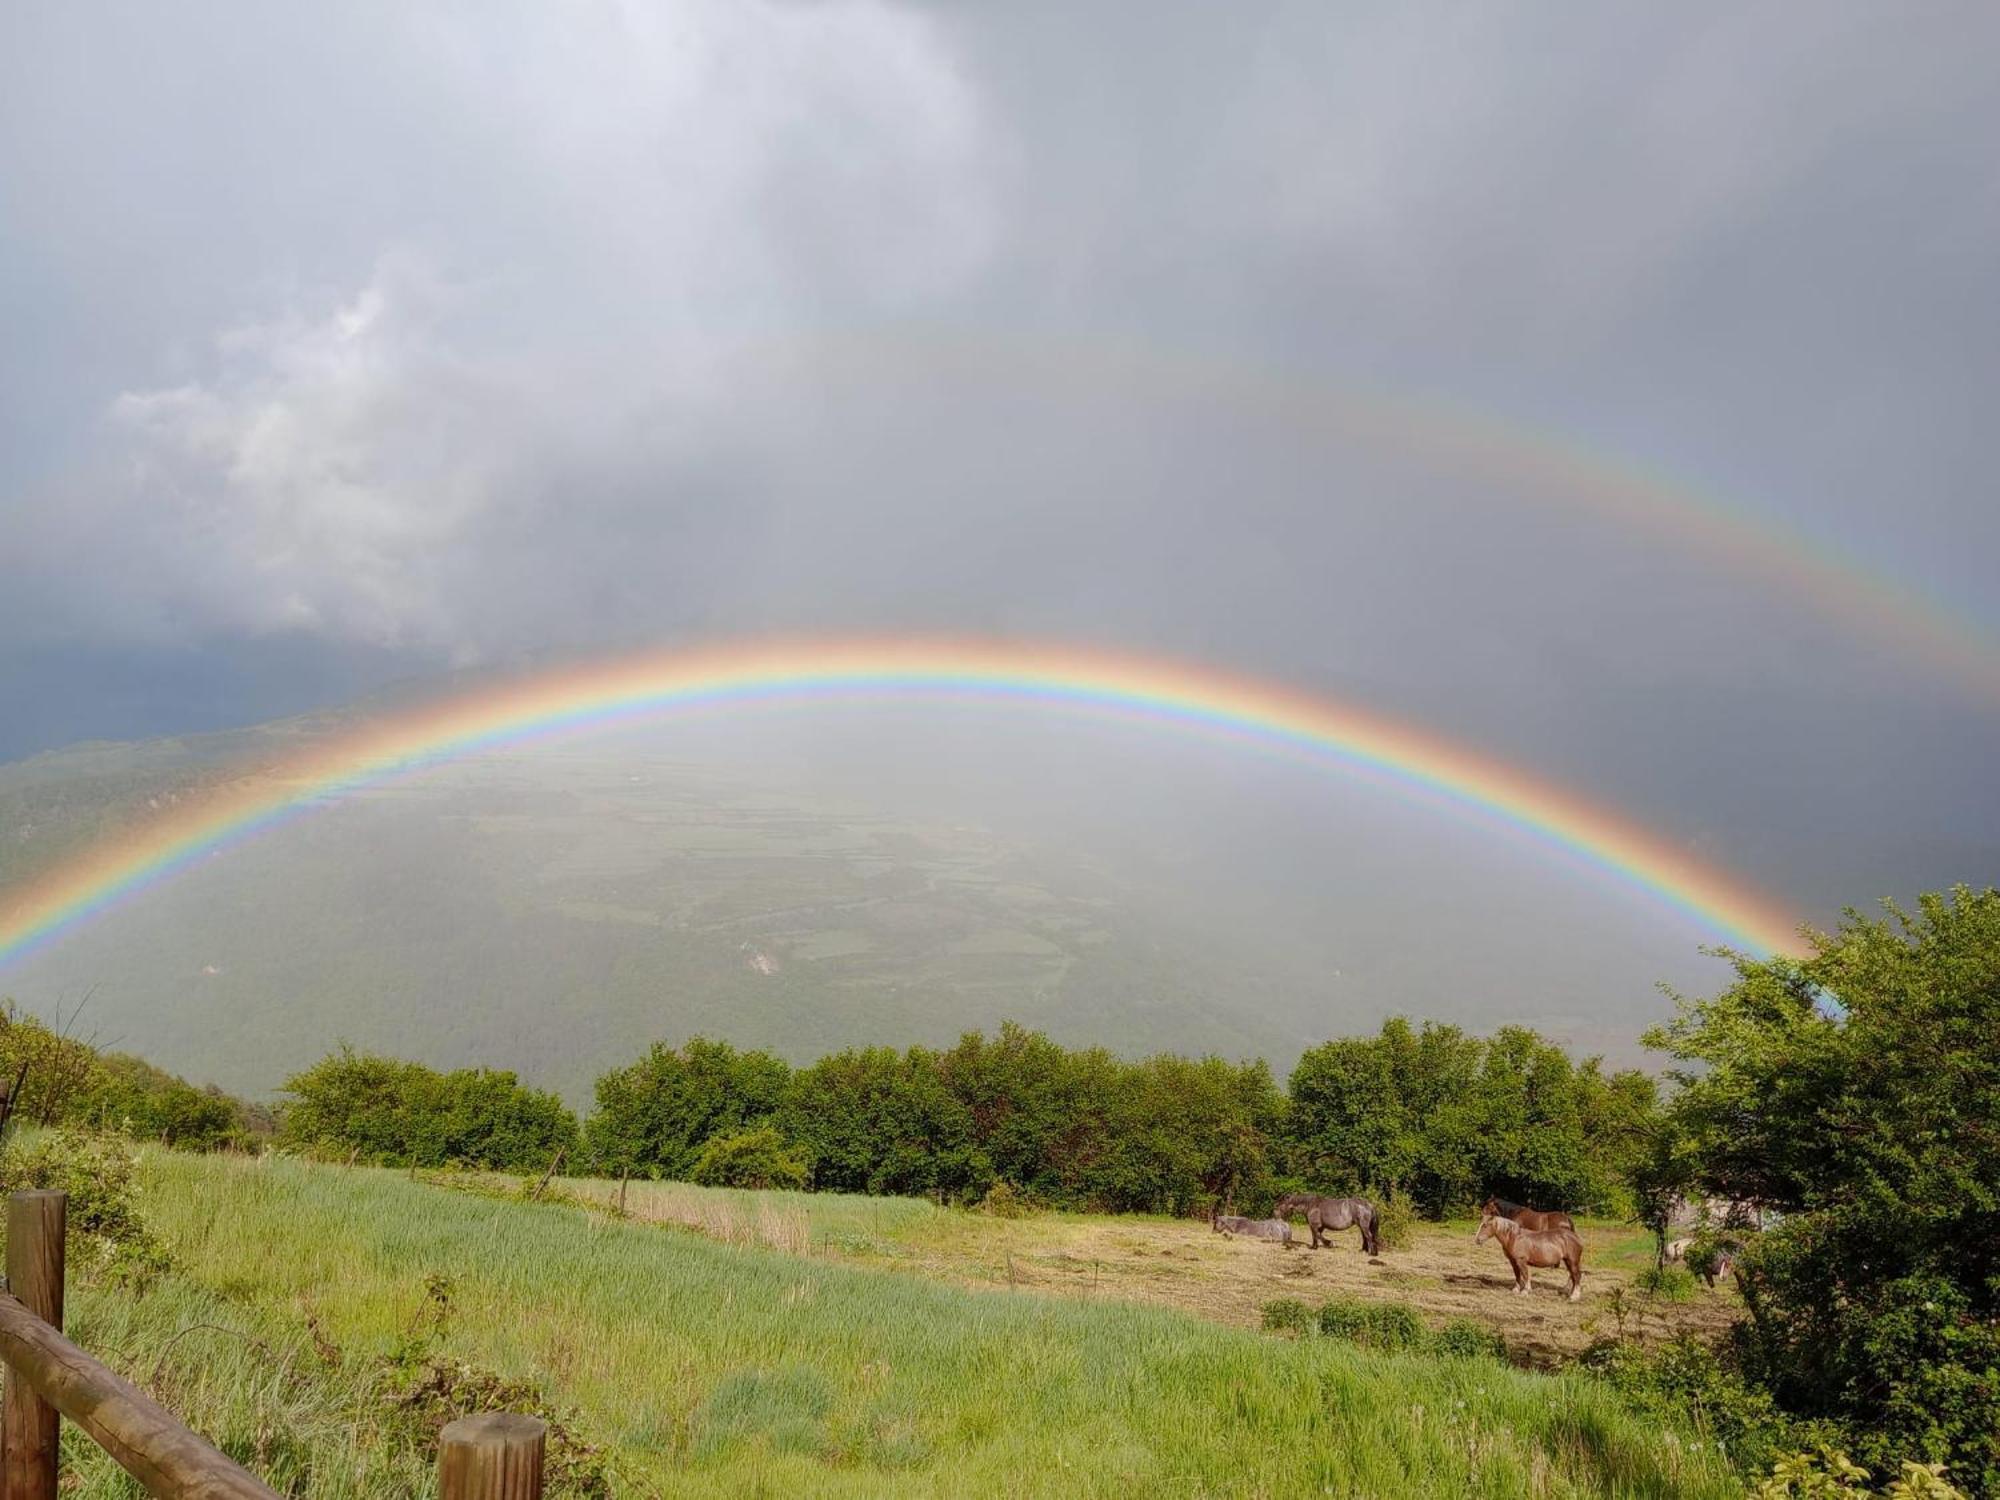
[
  {"x": 711, "y": 1368},
  {"x": 1180, "y": 1263}
]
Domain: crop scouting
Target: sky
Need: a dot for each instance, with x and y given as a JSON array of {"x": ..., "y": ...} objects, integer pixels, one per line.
[{"x": 349, "y": 347}]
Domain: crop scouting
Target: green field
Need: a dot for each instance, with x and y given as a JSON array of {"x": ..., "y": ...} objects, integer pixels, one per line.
[{"x": 714, "y": 1369}]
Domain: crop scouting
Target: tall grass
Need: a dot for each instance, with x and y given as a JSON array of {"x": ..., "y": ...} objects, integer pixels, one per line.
[{"x": 717, "y": 1369}]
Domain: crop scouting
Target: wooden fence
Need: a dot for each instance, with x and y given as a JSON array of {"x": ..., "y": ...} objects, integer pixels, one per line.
[{"x": 493, "y": 1456}]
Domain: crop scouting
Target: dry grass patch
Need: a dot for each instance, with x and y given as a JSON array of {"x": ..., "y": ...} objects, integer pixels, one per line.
[{"x": 1183, "y": 1264}]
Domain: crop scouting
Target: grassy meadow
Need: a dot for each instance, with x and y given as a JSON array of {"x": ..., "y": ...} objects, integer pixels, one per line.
[
  {"x": 1181, "y": 1263},
  {"x": 707, "y": 1368}
]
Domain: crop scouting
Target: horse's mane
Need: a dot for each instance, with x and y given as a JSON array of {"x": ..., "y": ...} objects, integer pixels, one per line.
[{"x": 1509, "y": 1210}]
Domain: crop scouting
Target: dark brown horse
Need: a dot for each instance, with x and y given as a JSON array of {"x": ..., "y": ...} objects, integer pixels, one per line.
[
  {"x": 1526, "y": 1217},
  {"x": 1325, "y": 1215},
  {"x": 1525, "y": 1248}
]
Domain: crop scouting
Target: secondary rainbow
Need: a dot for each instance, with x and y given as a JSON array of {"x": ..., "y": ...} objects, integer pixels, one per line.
[
  {"x": 1487, "y": 449},
  {"x": 1163, "y": 693}
]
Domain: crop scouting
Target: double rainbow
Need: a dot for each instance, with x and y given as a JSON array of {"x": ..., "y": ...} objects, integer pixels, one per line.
[{"x": 1162, "y": 693}]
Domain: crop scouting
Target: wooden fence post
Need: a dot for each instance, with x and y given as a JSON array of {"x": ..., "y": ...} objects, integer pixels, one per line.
[
  {"x": 496, "y": 1455},
  {"x": 29, "y": 1426}
]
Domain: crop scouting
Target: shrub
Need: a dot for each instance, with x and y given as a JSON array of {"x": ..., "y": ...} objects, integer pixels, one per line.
[
  {"x": 1462, "y": 1338},
  {"x": 760, "y": 1158},
  {"x": 1831, "y": 1475},
  {"x": 1005, "y": 1201},
  {"x": 1395, "y": 1220},
  {"x": 1668, "y": 1283},
  {"x": 106, "y": 1236},
  {"x": 1689, "y": 1382},
  {"x": 1377, "y": 1325},
  {"x": 389, "y": 1112},
  {"x": 1874, "y": 1301},
  {"x": 1288, "y": 1315}
]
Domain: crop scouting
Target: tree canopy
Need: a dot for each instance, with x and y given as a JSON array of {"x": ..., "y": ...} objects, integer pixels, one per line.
[{"x": 1856, "y": 1093}]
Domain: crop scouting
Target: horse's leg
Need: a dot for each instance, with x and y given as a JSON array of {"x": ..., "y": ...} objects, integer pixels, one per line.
[{"x": 1575, "y": 1263}]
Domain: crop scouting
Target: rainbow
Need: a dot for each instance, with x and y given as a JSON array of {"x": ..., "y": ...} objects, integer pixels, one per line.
[
  {"x": 1162, "y": 693},
  {"x": 1486, "y": 450}
]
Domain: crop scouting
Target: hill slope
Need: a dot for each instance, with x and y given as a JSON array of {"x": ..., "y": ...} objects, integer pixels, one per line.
[{"x": 712, "y": 1370}]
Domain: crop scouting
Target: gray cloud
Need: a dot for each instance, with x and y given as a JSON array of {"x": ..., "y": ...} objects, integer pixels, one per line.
[{"x": 442, "y": 339}]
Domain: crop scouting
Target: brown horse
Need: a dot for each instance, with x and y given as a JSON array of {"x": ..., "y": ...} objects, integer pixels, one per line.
[
  {"x": 1325, "y": 1215},
  {"x": 1531, "y": 1247},
  {"x": 1526, "y": 1217}
]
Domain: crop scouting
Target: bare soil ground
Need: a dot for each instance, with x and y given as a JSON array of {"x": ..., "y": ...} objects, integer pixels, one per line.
[{"x": 1184, "y": 1264}]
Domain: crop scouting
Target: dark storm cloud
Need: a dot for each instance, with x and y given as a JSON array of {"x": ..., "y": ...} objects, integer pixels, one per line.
[{"x": 415, "y": 341}]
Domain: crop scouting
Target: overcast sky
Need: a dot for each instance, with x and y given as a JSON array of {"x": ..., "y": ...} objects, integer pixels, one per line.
[{"x": 344, "y": 345}]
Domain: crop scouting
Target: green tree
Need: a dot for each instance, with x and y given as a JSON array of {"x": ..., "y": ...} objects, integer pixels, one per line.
[
  {"x": 1855, "y": 1092},
  {"x": 875, "y": 1120},
  {"x": 654, "y": 1116},
  {"x": 385, "y": 1110},
  {"x": 1448, "y": 1118},
  {"x": 132, "y": 1096}
]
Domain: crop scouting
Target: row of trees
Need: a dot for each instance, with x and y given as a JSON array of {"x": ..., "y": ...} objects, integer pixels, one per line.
[
  {"x": 1070, "y": 1127},
  {"x": 66, "y": 1080},
  {"x": 1432, "y": 1113}
]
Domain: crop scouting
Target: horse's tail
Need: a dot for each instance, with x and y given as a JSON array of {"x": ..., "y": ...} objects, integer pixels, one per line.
[{"x": 1371, "y": 1229}]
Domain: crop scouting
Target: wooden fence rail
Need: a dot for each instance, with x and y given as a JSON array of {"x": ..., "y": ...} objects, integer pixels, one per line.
[{"x": 494, "y": 1456}]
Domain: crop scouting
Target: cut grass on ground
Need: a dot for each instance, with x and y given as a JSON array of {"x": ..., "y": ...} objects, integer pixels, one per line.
[
  {"x": 714, "y": 1369},
  {"x": 1181, "y": 1263}
]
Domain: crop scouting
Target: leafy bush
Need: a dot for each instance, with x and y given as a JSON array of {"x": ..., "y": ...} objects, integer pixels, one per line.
[
  {"x": 1377, "y": 1325},
  {"x": 1864, "y": 1121},
  {"x": 69, "y": 1082},
  {"x": 1005, "y": 1201},
  {"x": 1668, "y": 1283},
  {"x": 389, "y": 1112},
  {"x": 759, "y": 1158},
  {"x": 130, "y": 1095},
  {"x": 1687, "y": 1381},
  {"x": 1831, "y": 1475},
  {"x": 1288, "y": 1315},
  {"x": 1395, "y": 1220},
  {"x": 1462, "y": 1338},
  {"x": 107, "y": 1238}
]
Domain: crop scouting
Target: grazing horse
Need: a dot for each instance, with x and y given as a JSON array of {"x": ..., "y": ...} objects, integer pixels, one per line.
[
  {"x": 1325, "y": 1215},
  {"x": 1534, "y": 1247},
  {"x": 1526, "y": 1217},
  {"x": 1254, "y": 1229}
]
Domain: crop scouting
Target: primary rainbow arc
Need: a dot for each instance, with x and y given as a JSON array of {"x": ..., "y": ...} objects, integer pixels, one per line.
[{"x": 1169, "y": 694}]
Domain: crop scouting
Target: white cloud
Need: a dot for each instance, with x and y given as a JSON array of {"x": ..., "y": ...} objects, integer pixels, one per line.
[{"x": 371, "y": 462}]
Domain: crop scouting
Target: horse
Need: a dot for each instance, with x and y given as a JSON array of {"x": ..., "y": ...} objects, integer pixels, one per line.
[
  {"x": 1325, "y": 1215},
  {"x": 1256, "y": 1229},
  {"x": 1723, "y": 1263},
  {"x": 1531, "y": 1247},
  {"x": 1719, "y": 1262},
  {"x": 1526, "y": 1217}
]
